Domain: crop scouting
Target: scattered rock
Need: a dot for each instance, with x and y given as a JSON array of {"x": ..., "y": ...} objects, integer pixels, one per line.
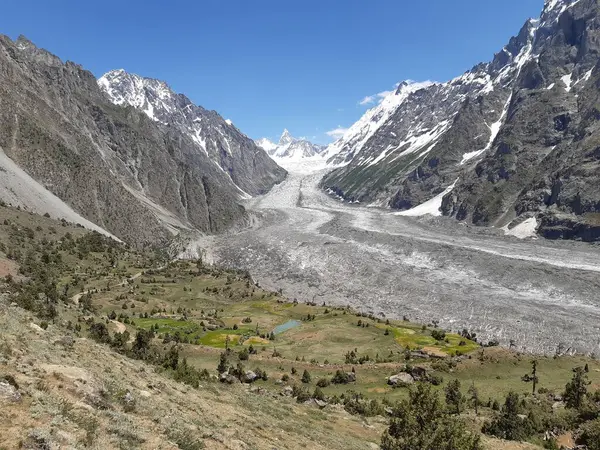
[
  {"x": 287, "y": 391},
  {"x": 35, "y": 327},
  {"x": 145, "y": 394},
  {"x": 227, "y": 378},
  {"x": 419, "y": 354},
  {"x": 320, "y": 403},
  {"x": 256, "y": 389},
  {"x": 128, "y": 401},
  {"x": 419, "y": 373},
  {"x": 9, "y": 392},
  {"x": 249, "y": 377},
  {"x": 401, "y": 379},
  {"x": 65, "y": 341}
]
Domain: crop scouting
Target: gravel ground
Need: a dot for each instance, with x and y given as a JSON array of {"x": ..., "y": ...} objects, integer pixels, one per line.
[{"x": 541, "y": 294}]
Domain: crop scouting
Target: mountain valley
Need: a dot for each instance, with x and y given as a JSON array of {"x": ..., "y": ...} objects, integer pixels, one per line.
[{"x": 427, "y": 281}]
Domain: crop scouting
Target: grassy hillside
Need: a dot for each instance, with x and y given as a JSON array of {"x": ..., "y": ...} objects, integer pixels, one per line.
[{"x": 105, "y": 347}]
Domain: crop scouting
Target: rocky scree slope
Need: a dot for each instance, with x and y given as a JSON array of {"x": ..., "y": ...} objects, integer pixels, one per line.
[
  {"x": 290, "y": 148},
  {"x": 511, "y": 139},
  {"x": 141, "y": 180}
]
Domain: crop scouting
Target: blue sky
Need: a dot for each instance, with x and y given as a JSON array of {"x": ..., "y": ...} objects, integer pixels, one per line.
[{"x": 271, "y": 64}]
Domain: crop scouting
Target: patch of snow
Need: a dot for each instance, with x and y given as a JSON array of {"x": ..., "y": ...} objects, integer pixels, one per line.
[
  {"x": 494, "y": 130},
  {"x": 431, "y": 207},
  {"x": 200, "y": 140},
  {"x": 414, "y": 142},
  {"x": 567, "y": 80},
  {"x": 550, "y": 87},
  {"x": 586, "y": 76},
  {"x": 524, "y": 230}
]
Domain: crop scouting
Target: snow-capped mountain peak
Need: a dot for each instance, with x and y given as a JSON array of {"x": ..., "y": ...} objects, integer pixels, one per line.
[
  {"x": 266, "y": 144},
  {"x": 345, "y": 148},
  {"x": 286, "y": 138},
  {"x": 233, "y": 153},
  {"x": 290, "y": 148}
]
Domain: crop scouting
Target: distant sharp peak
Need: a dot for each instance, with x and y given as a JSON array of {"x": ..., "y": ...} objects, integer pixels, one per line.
[
  {"x": 286, "y": 138},
  {"x": 289, "y": 147}
]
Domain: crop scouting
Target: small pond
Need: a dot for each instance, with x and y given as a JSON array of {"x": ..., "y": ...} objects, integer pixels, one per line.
[{"x": 286, "y": 326}]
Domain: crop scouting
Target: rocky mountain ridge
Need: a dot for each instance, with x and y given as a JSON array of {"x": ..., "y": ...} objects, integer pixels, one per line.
[
  {"x": 511, "y": 139},
  {"x": 247, "y": 166},
  {"x": 139, "y": 179}
]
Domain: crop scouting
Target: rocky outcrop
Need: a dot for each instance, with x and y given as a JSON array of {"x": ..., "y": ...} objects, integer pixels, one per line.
[{"x": 401, "y": 379}]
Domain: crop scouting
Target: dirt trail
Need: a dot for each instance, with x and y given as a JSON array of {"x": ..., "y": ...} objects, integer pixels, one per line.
[{"x": 75, "y": 299}]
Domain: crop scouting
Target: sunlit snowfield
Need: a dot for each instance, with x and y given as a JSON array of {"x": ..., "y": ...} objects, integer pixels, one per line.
[{"x": 538, "y": 293}]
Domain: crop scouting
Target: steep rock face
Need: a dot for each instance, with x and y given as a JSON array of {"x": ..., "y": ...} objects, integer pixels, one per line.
[
  {"x": 247, "y": 165},
  {"x": 290, "y": 148},
  {"x": 140, "y": 180},
  {"x": 542, "y": 163},
  {"x": 515, "y": 136}
]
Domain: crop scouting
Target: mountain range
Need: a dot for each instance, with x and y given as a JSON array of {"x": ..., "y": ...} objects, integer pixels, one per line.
[
  {"x": 124, "y": 152},
  {"x": 512, "y": 139},
  {"x": 290, "y": 148},
  {"x": 512, "y": 142}
]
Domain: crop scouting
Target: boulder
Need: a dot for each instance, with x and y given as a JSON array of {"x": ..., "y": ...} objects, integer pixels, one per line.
[
  {"x": 287, "y": 391},
  {"x": 65, "y": 341},
  {"x": 401, "y": 379},
  {"x": 9, "y": 392},
  {"x": 249, "y": 376},
  {"x": 351, "y": 377},
  {"x": 419, "y": 373},
  {"x": 129, "y": 400},
  {"x": 227, "y": 378},
  {"x": 316, "y": 402},
  {"x": 320, "y": 403}
]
